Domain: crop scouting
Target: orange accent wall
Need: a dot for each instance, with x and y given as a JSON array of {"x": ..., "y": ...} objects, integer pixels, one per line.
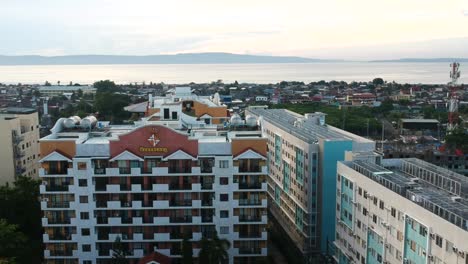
[
  {"x": 151, "y": 111},
  {"x": 201, "y": 109},
  {"x": 241, "y": 145},
  {"x": 67, "y": 148}
]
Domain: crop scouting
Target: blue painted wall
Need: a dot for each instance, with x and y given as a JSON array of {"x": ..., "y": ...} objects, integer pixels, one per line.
[
  {"x": 417, "y": 234},
  {"x": 332, "y": 152}
]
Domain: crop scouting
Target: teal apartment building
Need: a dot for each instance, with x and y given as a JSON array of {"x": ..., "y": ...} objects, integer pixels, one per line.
[{"x": 303, "y": 152}]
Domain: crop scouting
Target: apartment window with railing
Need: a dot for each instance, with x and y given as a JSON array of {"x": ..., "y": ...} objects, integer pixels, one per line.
[{"x": 224, "y": 164}]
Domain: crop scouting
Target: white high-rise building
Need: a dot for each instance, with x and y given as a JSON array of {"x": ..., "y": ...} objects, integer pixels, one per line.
[
  {"x": 400, "y": 211},
  {"x": 179, "y": 170}
]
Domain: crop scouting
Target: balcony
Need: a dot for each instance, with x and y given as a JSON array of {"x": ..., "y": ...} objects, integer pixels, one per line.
[
  {"x": 207, "y": 186},
  {"x": 207, "y": 219},
  {"x": 250, "y": 218},
  {"x": 180, "y": 219},
  {"x": 57, "y": 187},
  {"x": 99, "y": 171},
  {"x": 250, "y": 202},
  {"x": 179, "y": 235},
  {"x": 60, "y": 253},
  {"x": 207, "y": 202},
  {"x": 59, "y": 220},
  {"x": 255, "y": 234},
  {"x": 178, "y": 186},
  {"x": 17, "y": 138},
  {"x": 186, "y": 169},
  {"x": 58, "y": 204},
  {"x": 56, "y": 171},
  {"x": 124, "y": 170},
  {"x": 250, "y": 250},
  {"x": 60, "y": 236},
  {"x": 19, "y": 154},
  {"x": 250, "y": 185},
  {"x": 250, "y": 168},
  {"x": 186, "y": 202}
]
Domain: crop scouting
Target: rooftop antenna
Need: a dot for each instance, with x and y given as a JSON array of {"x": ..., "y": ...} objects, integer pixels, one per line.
[{"x": 453, "y": 101}]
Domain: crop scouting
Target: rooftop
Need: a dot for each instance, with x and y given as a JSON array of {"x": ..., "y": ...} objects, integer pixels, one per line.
[
  {"x": 307, "y": 128},
  {"x": 438, "y": 190},
  {"x": 408, "y": 120},
  {"x": 18, "y": 110}
]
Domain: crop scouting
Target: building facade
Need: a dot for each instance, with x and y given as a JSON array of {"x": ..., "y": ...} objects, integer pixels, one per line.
[
  {"x": 150, "y": 184},
  {"x": 400, "y": 211},
  {"x": 302, "y": 155},
  {"x": 19, "y": 137}
]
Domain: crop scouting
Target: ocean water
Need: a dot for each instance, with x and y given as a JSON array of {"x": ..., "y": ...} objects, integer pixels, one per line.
[{"x": 425, "y": 73}]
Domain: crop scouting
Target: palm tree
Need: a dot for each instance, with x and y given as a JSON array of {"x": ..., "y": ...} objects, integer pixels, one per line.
[{"x": 214, "y": 251}]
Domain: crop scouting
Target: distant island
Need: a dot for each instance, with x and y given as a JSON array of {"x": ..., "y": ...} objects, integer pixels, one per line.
[
  {"x": 185, "y": 58},
  {"x": 425, "y": 60}
]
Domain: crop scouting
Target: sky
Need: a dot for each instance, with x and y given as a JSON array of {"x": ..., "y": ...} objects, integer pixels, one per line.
[{"x": 327, "y": 29}]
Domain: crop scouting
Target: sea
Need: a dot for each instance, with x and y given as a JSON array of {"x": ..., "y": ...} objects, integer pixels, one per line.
[{"x": 400, "y": 72}]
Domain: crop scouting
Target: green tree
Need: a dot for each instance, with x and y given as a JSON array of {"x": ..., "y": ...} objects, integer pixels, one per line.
[
  {"x": 105, "y": 86},
  {"x": 119, "y": 252},
  {"x": 12, "y": 242},
  {"x": 80, "y": 93},
  {"x": 19, "y": 205},
  {"x": 187, "y": 250},
  {"x": 378, "y": 81},
  {"x": 214, "y": 251}
]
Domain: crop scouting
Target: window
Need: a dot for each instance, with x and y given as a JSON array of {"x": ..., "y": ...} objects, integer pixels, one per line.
[
  {"x": 224, "y": 181},
  {"x": 224, "y": 213},
  {"x": 360, "y": 191},
  {"x": 84, "y": 215},
  {"x": 82, "y": 182},
  {"x": 85, "y": 231},
  {"x": 86, "y": 248},
  {"x": 81, "y": 165},
  {"x": 375, "y": 200},
  {"x": 224, "y": 164},
  {"x": 87, "y": 262},
  {"x": 393, "y": 212},
  {"x": 83, "y": 199},
  {"x": 374, "y": 218},
  {"x": 224, "y": 230},
  {"x": 381, "y": 205},
  {"x": 364, "y": 211},
  {"x": 438, "y": 241},
  {"x": 224, "y": 197}
]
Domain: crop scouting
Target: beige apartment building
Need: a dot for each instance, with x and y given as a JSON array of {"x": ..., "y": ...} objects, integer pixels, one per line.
[{"x": 19, "y": 136}]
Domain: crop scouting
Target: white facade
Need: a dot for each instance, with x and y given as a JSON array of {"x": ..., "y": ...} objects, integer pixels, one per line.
[{"x": 386, "y": 214}]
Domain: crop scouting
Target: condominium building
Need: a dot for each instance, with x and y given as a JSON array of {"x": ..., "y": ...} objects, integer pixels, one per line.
[
  {"x": 150, "y": 183},
  {"x": 19, "y": 138},
  {"x": 400, "y": 211},
  {"x": 302, "y": 155}
]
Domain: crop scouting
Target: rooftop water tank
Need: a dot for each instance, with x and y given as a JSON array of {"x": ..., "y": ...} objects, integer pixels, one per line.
[
  {"x": 89, "y": 122},
  {"x": 71, "y": 122},
  {"x": 236, "y": 120},
  {"x": 250, "y": 120}
]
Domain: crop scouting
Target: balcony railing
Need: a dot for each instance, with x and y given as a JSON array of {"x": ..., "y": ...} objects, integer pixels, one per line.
[
  {"x": 186, "y": 202},
  {"x": 55, "y": 171},
  {"x": 207, "y": 186},
  {"x": 250, "y": 250},
  {"x": 250, "y": 185},
  {"x": 177, "y": 186},
  {"x": 100, "y": 171},
  {"x": 256, "y": 234},
  {"x": 179, "y": 169},
  {"x": 58, "y": 204},
  {"x": 57, "y": 253},
  {"x": 146, "y": 170},
  {"x": 60, "y": 220},
  {"x": 207, "y": 219},
  {"x": 180, "y": 219},
  {"x": 180, "y": 235},
  {"x": 60, "y": 236},
  {"x": 124, "y": 170},
  {"x": 251, "y": 168},
  {"x": 250, "y": 218},
  {"x": 57, "y": 188},
  {"x": 250, "y": 202},
  {"x": 207, "y": 202}
]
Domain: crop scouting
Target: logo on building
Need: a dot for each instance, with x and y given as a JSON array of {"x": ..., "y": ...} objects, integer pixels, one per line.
[{"x": 153, "y": 140}]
